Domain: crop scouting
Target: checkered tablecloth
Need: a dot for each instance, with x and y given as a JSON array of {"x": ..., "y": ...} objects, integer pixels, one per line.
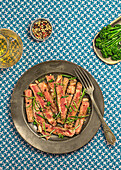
[{"x": 75, "y": 23}]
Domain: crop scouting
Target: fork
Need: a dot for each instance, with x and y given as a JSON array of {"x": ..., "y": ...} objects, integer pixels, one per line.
[{"x": 89, "y": 88}]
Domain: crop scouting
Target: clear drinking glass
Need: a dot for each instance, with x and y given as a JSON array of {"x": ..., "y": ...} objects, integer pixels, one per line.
[{"x": 11, "y": 48}]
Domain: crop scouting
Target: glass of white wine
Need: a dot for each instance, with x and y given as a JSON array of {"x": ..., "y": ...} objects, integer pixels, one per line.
[{"x": 11, "y": 48}]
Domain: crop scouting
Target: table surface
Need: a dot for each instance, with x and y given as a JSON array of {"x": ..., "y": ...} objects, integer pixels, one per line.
[{"x": 75, "y": 23}]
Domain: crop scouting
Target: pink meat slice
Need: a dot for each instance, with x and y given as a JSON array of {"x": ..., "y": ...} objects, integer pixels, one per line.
[
  {"x": 61, "y": 101},
  {"x": 75, "y": 104},
  {"x": 57, "y": 130},
  {"x": 51, "y": 84},
  {"x": 28, "y": 104},
  {"x": 44, "y": 88},
  {"x": 82, "y": 112},
  {"x": 41, "y": 122},
  {"x": 71, "y": 91},
  {"x": 65, "y": 83},
  {"x": 46, "y": 109}
]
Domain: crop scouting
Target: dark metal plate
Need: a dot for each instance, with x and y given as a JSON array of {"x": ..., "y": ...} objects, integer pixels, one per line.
[{"x": 29, "y": 133}]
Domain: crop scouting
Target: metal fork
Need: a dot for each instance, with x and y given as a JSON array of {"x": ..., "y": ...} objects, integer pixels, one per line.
[{"x": 87, "y": 84}]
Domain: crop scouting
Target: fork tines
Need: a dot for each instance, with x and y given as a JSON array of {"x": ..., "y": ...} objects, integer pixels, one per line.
[{"x": 83, "y": 77}]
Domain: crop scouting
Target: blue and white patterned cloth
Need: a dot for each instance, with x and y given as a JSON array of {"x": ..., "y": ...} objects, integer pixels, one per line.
[{"x": 75, "y": 23}]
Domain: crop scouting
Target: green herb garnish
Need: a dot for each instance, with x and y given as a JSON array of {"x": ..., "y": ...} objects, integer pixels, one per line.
[
  {"x": 80, "y": 117},
  {"x": 73, "y": 78},
  {"x": 51, "y": 81},
  {"x": 43, "y": 136},
  {"x": 81, "y": 96},
  {"x": 41, "y": 116},
  {"x": 76, "y": 127},
  {"x": 64, "y": 96},
  {"x": 40, "y": 80},
  {"x": 88, "y": 109},
  {"x": 60, "y": 84},
  {"x": 58, "y": 115},
  {"x": 72, "y": 107},
  {"x": 60, "y": 135},
  {"x": 29, "y": 97},
  {"x": 44, "y": 127},
  {"x": 40, "y": 94},
  {"x": 75, "y": 105},
  {"x": 70, "y": 110},
  {"x": 66, "y": 76},
  {"x": 34, "y": 123},
  {"x": 66, "y": 106},
  {"x": 52, "y": 131},
  {"x": 48, "y": 103}
]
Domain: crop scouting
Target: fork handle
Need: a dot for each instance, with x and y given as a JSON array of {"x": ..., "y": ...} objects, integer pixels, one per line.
[{"x": 107, "y": 131}]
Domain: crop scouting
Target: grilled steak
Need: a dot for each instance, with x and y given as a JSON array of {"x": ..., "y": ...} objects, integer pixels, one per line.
[
  {"x": 82, "y": 112},
  {"x": 28, "y": 104},
  {"x": 46, "y": 109}
]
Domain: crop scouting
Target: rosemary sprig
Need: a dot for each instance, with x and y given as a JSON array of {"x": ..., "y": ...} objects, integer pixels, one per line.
[
  {"x": 40, "y": 80},
  {"x": 81, "y": 96},
  {"x": 64, "y": 96}
]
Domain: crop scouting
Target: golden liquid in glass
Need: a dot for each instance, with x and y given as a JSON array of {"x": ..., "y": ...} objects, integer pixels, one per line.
[{"x": 11, "y": 48}]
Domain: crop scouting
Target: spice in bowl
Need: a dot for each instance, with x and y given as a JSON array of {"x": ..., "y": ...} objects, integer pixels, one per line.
[{"x": 41, "y": 29}]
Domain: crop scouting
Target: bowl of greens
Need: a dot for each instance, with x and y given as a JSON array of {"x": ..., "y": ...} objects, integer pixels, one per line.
[{"x": 107, "y": 43}]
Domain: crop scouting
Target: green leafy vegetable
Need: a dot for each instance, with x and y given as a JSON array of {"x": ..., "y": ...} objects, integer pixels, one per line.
[
  {"x": 88, "y": 109},
  {"x": 60, "y": 84},
  {"x": 75, "y": 105},
  {"x": 64, "y": 96},
  {"x": 52, "y": 131},
  {"x": 66, "y": 76},
  {"x": 109, "y": 40},
  {"x": 66, "y": 106},
  {"x": 81, "y": 96},
  {"x": 60, "y": 135},
  {"x": 48, "y": 103},
  {"x": 40, "y": 80},
  {"x": 34, "y": 123},
  {"x": 73, "y": 78},
  {"x": 41, "y": 116},
  {"x": 72, "y": 107},
  {"x": 44, "y": 127},
  {"x": 51, "y": 81},
  {"x": 40, "y": 94},
  {"x": 76, "y": 127}
]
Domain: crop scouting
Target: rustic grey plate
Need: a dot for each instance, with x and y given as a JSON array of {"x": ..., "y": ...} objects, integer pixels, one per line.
[
  {"x": 97, "y": 50},
  {"x": 28, "y": 131}
]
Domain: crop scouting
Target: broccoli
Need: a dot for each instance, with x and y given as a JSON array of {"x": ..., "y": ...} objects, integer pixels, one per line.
[{"x": 109, "y": 42}]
